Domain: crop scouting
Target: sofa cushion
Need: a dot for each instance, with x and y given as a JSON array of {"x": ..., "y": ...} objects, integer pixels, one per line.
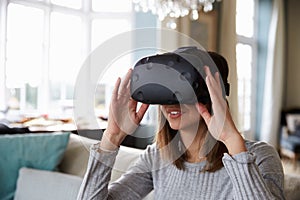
[
  {"x": 77, "y": 154},
  {"x": 37, "y": 150},
  {"x": 127, "y": 156},
  {"x": 36, "y": 184}
]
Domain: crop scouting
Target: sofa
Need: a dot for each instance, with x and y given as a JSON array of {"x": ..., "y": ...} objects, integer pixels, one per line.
[
  {"x": 35, "y": 180},
  {"x": 64, "y": 182}
]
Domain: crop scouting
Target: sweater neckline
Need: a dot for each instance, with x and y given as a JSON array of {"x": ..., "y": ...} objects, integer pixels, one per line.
[{"x": 195, "y": 165}]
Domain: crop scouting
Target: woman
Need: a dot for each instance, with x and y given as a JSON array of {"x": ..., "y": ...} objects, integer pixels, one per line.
[{"x": 196, "y": 155}]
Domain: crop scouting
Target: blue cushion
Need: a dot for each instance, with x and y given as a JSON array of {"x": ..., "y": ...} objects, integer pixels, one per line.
[{"x": 38, "y": 150}]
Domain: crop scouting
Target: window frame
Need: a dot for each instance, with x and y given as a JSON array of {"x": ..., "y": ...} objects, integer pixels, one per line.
[
  {"x": 86, "y": 14},
  {"x": 253, "y": 43}
]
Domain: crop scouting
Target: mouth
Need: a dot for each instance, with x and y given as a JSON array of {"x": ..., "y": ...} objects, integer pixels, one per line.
[{"x": 174, "y": 114}]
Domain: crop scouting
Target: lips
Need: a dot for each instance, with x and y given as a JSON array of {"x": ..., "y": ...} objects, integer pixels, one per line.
[{"x": 174, "y": 113}]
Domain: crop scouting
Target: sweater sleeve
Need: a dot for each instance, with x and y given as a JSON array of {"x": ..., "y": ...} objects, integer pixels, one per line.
[
  {"x": 257, "y": 173},
  {"x": 95, "y": 184}
]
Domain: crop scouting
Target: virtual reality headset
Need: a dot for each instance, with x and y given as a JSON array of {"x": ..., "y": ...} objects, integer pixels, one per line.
[{"x": 174, "y": 78}]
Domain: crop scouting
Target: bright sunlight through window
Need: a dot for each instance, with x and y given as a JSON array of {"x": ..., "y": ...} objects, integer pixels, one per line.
[
  {"x": 46, "y": 44},
  {"x": 245, "y": 51}
]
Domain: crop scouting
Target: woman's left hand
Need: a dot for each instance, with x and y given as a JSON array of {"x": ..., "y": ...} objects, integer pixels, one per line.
[{"x": 220, "y": 123}]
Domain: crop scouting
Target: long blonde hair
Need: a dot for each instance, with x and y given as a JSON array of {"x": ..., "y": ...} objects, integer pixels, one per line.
[{"x": 168, "y": 141}]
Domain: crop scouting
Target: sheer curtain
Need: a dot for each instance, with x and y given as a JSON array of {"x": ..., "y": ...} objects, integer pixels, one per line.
[
  {"x": 273, "y": 84},
  {"x": 227, "y": 49}
]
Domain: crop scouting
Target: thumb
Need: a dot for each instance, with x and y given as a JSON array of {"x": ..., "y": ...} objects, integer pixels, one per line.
[
  {"x": 140, "y": 114},
  {"x": 203, "y": 112}
]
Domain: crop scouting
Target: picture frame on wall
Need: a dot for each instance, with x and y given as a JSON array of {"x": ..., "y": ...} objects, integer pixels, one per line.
[{"x": 204, "y": 30}]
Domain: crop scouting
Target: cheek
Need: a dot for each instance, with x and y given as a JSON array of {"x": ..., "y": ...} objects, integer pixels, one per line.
[
  {"x": 195, "y": 114},
  {"x": 193, "y": 117},
  {"x": 191, "y": 110}
]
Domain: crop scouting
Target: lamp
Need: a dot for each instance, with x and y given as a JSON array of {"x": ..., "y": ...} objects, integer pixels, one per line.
[{"x": 174, "y": 8}]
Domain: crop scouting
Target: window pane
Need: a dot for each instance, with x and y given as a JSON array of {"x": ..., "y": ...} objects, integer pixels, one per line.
[
  {"x": 244, "y": 74},
  {"x": 31, "y": 97},
  {"x": 14, "y": 97},
  {"x": 244, "y": 61},
  {"x": 245, "y": 17},
  {"x": 100, "y": 100},
  {"x": 65, "y": 54},
  {"x": 24, "y": 55},
  {"x": 104, "y": 29},
  {"x": 68, "y": 3},
  {"x": 24, "y": 46},
  {"x": 121, "y": 65},
  {"x": 112, "y": 6},
  {"x": 118, "y": 67}
]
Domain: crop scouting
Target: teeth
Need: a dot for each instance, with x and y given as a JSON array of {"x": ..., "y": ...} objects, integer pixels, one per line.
[{"x": 174, "y": 112}]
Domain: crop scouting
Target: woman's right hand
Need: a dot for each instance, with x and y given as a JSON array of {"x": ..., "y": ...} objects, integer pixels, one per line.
[{"x": 123, "y": 118}]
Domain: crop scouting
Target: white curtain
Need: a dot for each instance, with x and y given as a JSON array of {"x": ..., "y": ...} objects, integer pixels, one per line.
[
  {"x": 273, "y": 88},
  {"x": 227, "y": 49}
]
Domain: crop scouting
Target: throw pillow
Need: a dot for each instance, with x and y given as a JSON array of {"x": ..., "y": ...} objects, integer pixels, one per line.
[
  {"x": 36, "y": 184},
  {"x": 38, "y": 150}
]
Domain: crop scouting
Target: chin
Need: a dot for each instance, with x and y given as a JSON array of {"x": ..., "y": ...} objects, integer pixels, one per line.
[
  {"x": 174, "y": 126},
  {"x": 178, "y": 126},
  {"x": 189, "y": 127}
]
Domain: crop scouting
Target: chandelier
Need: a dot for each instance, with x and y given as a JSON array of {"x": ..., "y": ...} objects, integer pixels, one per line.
[{"x": 174, "y": 8}]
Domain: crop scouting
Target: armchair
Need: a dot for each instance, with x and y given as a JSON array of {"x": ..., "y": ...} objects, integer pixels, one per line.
[{"x": 290, "y": 134}]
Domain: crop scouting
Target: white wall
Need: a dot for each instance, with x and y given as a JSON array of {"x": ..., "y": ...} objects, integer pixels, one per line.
[{"x": 293, "y": 54}]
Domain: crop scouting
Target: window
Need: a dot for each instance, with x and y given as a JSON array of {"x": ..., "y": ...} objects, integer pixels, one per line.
[
  {"x": 111, "y": 6},
  {"x": 24, "y": 54},
  {"x": 68, "y": 3},
  {"x": 245, "y": 58},
  {"x": 43, "y": 45}
]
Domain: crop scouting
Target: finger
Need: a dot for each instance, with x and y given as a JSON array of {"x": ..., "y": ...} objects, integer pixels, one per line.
[
  {"x": 209, "y": 79},
  {"x": 219, "y": 81},
  {"x": 125, "y": 82},
  {"x": 116, "y": 89},
  {"x": 207, "y": 71},
  {"x": 132, "y": 105},
  {"x": 210, "y": 86},
  {"x": 217, "y": 78},
  {"x": 213, "y": 85},
  {"x": 140, "y": 114},
  {"x": 128, "y": 84},
  {"x": 215, "y": 93},
  {"x": 212, "y": 79},
  {"x": 203, "y": 112}
]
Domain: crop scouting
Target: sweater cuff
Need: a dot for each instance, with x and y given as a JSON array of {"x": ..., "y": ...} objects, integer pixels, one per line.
[
  {"x": 105, "y": 157},
  {"x": 242, "y": 158}
]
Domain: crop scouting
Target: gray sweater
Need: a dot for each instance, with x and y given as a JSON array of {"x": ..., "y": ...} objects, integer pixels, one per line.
[{"x": 256, "y": 174}]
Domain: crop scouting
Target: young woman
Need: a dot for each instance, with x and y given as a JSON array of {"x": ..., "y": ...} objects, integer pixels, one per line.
[{"x": 196, "y": 155}]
